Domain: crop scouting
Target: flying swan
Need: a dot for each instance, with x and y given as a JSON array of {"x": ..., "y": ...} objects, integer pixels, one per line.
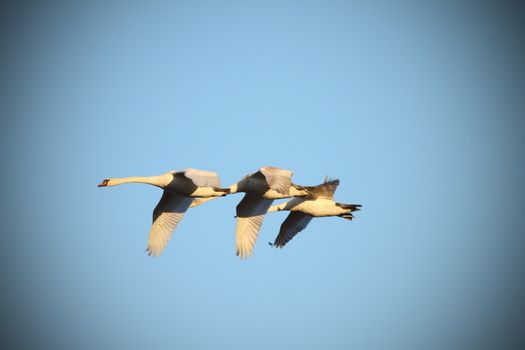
[
  {"x": 319, "y": 202},
  {"x": 261, "y": 188},
  {"x": 180, "y": 188}
]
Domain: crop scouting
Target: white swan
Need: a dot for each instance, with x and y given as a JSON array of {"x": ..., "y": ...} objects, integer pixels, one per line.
[
  {"x": 318, "y": 203},
  {"x": 180, "y": 187},
  {"x": 261, "y": 188}
]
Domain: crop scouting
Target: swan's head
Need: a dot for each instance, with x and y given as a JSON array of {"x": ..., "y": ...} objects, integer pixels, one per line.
[
  {"x": 105, "y": 182},
  {"x": 234, "y": 188}
]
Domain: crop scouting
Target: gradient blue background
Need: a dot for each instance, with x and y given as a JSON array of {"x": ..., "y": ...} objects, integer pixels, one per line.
[{"x": 417, "y": 109}]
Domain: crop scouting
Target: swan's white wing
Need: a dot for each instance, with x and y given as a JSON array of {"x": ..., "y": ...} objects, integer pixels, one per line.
[
  {"x": 325, "y": 190},
  {"x": 250, "y": 215},
  {"x": 278, "y": 179},
  {"x": 294, "y": 223},
  {"x": 166, "y": 215},
  {"x": 202, "y": 178}
]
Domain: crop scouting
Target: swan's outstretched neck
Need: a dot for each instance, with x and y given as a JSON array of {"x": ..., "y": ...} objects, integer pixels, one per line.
[{"x": 158, "y": 181}]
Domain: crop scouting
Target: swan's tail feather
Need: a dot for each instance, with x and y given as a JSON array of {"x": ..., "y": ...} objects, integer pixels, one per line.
[{"x": 200, "y": 200}]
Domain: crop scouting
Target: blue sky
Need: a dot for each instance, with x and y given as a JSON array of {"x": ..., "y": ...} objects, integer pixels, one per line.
[{"x": 415, "y": 109}]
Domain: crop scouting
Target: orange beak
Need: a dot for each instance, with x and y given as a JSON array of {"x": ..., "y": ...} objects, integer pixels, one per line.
[{"x": 103, "y": 183}]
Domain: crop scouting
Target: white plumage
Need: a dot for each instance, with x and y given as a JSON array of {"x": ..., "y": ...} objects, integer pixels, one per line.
[
  {"x": 318, "y": 203},
  {"x": 180, "y": 187},
  {"x": 192, "y": 187},
  {"x": 261, "y": 188}
]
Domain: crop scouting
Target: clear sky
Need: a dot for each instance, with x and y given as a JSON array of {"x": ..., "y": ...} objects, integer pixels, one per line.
[{"x": 416, "y": 109}]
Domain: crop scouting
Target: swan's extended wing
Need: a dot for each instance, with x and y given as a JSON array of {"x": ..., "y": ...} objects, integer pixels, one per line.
[
  {"x": 278, "y": 179},
  {"x": 166, "y": 215},
  {"x": 250, "y": 215},
  {"x": 202, "y": 178},
  {"x": 295, "y": 222},
  {"x": 325, "y": 190}
]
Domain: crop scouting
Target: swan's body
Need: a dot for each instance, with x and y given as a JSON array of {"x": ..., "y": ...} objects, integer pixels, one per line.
[
  {"x": 318, "y": 203},
  {"x": 261, "y": 188},
  {"x": 180, "y": 187},
  {"x": 317, "y": 207}
]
